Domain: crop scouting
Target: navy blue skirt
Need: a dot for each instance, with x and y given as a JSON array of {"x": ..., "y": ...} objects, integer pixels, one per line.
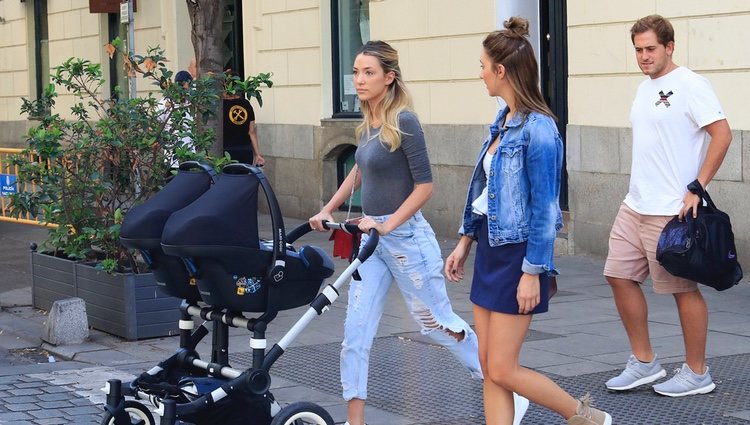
[{"x": 497, "y": 271}]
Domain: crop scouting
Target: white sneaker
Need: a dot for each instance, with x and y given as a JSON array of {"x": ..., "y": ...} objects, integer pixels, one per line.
[{"x": 520, "y": 405}]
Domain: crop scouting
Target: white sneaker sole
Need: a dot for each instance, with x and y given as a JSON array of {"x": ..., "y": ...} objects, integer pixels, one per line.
[
  {"x": 607, "y": 419},
  {"x": 704, "y": 390},
  {"x": 646, "y": 380}
]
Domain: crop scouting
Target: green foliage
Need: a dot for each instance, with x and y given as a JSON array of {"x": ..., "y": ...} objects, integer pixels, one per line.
[
  {"x": 113, "y": 153},
  {"x": 251, "y": 87}
]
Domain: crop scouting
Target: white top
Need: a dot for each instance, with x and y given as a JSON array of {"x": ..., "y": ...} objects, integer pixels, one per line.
[
  {"x": 479, "y": 205},
  {"x": 668, "y": 116},
  {"x": 185, "y": 141}
]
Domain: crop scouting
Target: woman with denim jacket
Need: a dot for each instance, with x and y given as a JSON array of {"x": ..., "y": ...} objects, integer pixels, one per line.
[
  {"x": 393, "y": 170},
  {"x": 512, "y": 211}
]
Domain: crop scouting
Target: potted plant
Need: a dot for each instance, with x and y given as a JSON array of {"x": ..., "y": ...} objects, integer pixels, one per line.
[{"x": 90, "y": 169}]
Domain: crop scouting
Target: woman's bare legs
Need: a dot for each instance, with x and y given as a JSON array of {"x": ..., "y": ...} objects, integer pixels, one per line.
[
  {"x": 355, "y": 411},
  {"x": 500, "y": 338}
]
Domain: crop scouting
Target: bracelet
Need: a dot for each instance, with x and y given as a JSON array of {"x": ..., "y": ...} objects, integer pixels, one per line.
[{"x": 695, "y": 187}]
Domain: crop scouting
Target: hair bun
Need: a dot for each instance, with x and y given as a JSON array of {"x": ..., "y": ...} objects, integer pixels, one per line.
[{"x": 518, "y": 26}]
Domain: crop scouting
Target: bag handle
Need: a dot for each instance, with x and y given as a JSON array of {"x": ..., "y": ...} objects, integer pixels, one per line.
[{"x": 696, "y": 188}]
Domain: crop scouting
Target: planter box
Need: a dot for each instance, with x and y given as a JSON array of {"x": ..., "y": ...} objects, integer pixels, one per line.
[{"x": 131, "y": 306}]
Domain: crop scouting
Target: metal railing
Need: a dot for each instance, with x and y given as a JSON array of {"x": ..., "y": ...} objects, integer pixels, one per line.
[{"x": 8, "y": 184}]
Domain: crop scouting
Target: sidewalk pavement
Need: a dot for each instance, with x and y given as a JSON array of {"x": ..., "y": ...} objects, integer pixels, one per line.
[{"x": 580, "y": 343}]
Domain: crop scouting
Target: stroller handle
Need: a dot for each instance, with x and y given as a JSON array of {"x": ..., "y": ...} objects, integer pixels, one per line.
[
  {"x": 347, "y": 227},
  {"x": 364, "y": 252}
]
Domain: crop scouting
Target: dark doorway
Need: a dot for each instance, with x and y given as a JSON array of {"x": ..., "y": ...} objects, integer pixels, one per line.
[
  {"x": 232, "y": 34},
  {"x": 41, "y": 41},
  {"x": 117, "y": 77},
  {"x": 344, "y": 164},
  {"x": 554, "y": 67}
]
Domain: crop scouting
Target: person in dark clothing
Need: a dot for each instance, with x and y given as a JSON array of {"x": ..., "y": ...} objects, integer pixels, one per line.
[{"x": 240, "y": 134}]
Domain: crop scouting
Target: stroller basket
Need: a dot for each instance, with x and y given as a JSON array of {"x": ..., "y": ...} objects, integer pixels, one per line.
[
  {"x": 217, "y": 236},
  {"x": 143, "y": 225}
]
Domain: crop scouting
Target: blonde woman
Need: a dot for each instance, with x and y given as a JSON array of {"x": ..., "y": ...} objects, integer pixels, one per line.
[{"x": 393, "y": 171}]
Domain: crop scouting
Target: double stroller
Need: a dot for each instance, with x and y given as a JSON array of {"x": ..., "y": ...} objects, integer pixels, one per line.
[{"x": 199, "y": 236}]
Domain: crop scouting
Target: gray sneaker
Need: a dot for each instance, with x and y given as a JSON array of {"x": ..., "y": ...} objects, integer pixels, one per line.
[
  {"x": 686, "y": 382},
  {"x": 636, "y": 373}
]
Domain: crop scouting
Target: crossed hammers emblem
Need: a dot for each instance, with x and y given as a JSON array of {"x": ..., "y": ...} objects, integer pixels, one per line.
[{"x": 663, "y": 98}]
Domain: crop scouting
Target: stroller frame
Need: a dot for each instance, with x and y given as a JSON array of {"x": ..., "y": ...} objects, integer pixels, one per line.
[{"x": 154, "y": 385}]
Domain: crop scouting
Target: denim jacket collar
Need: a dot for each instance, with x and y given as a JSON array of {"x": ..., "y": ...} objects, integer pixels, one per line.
[{"x": 501, "y": 114}]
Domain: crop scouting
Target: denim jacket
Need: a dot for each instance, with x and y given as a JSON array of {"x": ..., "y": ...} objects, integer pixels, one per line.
[{"x": 523, "y": 189}]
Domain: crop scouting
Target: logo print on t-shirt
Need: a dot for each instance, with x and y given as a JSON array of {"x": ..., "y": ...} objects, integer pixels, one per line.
[
  {"x": 663, "y": 98},
  {"x": 237, "y": 114}
]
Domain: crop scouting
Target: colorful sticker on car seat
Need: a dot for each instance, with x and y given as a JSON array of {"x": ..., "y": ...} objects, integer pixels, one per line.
[{"x": 246, "y": 285}]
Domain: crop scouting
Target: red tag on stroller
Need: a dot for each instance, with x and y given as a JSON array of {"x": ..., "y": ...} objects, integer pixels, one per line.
[{"x": 343, "y": 243}]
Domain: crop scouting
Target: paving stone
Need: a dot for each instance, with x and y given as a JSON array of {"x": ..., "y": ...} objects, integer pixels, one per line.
[
  {"x": 52, "y": 421},
  {"x": 80, "y": 401},
  {"x": 55, "y": 404},
  {"x": 14, "y": 416},
  {"x": 37, "y": 384},
  {"x": 90, "y": 420},
  {"x": 81, "y": 410},
  {"x": 46, "y": 413},
  {"x": 26, "y": 391},
  {"x": 54, "y": 389},
  {"x": 5, "y": 380},
  {"x": 22, "y": 407},
  {"x": 20, "y": 399},
  {"x": 55, "y": 397}
]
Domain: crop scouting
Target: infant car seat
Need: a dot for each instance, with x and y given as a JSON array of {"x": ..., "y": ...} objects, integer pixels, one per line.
[
  {"x": 217, "y": 236},
  {"x": 143, "y": 225}
]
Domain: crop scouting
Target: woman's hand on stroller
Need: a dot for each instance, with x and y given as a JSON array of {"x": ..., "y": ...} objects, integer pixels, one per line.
[
  {"x": 316, "y": 221},
  {"x": 366, "y": 223}
]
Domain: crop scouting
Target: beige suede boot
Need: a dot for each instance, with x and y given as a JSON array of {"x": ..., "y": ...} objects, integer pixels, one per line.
[{"x": 587, "y": 415}]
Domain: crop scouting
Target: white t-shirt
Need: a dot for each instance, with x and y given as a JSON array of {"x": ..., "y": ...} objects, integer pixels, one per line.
[
  {"x": 185, "y": 141},
  {"x": 668, "y": 116},
  {"x": 480, "y": 206}
]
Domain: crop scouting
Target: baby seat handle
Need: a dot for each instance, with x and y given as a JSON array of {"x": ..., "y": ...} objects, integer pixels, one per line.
[
  {"x": 196, "y": 165},
  {"x": 278, "y": 262}
]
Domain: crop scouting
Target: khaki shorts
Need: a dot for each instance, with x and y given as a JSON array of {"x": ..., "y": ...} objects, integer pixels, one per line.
[{"x": 632, "y": 252}]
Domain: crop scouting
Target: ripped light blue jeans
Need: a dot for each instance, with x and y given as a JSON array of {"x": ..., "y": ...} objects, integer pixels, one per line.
[{"x": 411, "y": 257}]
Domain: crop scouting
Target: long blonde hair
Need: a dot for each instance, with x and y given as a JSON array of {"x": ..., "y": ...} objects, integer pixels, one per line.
[
  {"x": 396, "y": 100},
  {"x": 511, "y": 48}
]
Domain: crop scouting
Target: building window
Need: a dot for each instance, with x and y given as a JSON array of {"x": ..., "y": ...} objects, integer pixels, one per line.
[{"x": 351, "y": 29}]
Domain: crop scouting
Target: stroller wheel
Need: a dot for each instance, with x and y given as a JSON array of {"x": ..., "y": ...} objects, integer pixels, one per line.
[
  {"x": 139, "y": 415},
  {"x": 302, "y": 413}
]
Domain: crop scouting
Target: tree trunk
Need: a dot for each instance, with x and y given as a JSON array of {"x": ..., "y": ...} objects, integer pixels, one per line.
[{"x": 206, "y": 18}]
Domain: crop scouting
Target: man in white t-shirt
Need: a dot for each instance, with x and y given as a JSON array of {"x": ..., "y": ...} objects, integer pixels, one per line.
[
  {"x": 165, "y": 108},
  {"x": 673, "y": 111}
]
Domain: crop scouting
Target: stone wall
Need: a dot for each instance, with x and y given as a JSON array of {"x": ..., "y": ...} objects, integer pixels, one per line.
[{"x": 301, "y": 166}]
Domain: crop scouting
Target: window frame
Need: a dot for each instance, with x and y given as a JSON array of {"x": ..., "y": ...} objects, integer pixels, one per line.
[{"x": 336, "y": 58}]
